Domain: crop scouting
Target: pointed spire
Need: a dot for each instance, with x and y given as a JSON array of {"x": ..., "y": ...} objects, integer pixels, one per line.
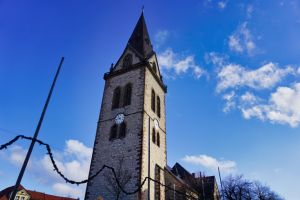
[{"x": 140, "y": 39}]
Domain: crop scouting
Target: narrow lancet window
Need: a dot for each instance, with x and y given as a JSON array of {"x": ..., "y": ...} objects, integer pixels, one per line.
[
  {"x": 127, "y": 95},
  {"x": 157, "y": 139},
  {"x": 122, "y": 130},
  {"x": 153, "y": 135},
  {"x": 113, "y": 132},
  {"x": 158, "y": 106},
  {"x": 154, "y": 67},
  {"x": 116, "y": 98},
  {"x": 153, "y": 100}
]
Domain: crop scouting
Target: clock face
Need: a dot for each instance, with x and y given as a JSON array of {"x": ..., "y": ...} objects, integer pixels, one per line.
[
  {"x": 156, "y": 126},
  {"x": 119, "y": 118}
]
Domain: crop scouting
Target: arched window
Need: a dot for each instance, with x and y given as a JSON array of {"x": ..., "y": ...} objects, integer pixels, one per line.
[
  {"x": 127, "y": 95},
  {"x": 153, "y": 100},
  {"x": 113, "y": 132},
  {"x": 154, "y": 67},
  {"x": 122, "y": 130},
  {"x": 116, "y": 98},
  {"x": 158, "y": 106},
  {"x": 127, "y": 61},
  {"x": 153, "y": 135},
  {"x": 157, "y": 139}
]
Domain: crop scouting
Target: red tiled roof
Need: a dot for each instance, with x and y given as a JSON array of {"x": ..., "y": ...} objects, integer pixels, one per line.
[
  {"x": 42, "y": 196},
  {"x": 4, "y": 195}
]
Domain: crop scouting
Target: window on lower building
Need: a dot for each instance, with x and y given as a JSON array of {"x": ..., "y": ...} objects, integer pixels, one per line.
[{"x": 157, "y": 185}]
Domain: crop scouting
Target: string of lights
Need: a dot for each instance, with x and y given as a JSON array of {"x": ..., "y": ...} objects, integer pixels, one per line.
[{"x": 49, "y": 153}]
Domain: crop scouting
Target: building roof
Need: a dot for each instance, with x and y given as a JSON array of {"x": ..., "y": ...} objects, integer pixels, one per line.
[
  {"x": 180, "y": 171},
  {"x": 140, "y": 40},
  {"x": 206, "y": 183},
  {"x": 34, "y": 195}
]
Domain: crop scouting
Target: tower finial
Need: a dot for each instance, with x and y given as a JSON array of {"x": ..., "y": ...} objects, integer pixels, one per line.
[{"x": 143, "y": 9}]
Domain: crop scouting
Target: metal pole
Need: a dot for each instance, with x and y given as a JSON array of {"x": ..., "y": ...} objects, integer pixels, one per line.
[
  {"x": 149, "y": 158},
  {"x": 15, "y": 189},
  {"x": 221, "y": 183}
]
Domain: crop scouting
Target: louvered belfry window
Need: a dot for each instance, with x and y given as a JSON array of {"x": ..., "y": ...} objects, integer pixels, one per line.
[
  {"x": 127, "y": 95},
  {"x": 158, "y": 106},
  {"x": 116, "y": 98},
  {"x": 153, "y": 100}
]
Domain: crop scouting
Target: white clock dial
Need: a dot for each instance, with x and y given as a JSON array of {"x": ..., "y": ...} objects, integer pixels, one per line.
[
  {"x": 156, "y": 126},
  {"x": 119, "y": 118}
]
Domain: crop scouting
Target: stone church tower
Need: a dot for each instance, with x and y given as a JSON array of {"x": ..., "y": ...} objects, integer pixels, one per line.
[{"x": 131, "y": 132}]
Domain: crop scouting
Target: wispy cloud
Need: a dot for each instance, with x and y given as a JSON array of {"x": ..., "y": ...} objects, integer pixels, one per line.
[
  {"x": 242, "y": 40},
  {"x": 172, "y": 64},
  {"x": 249, "y": 11},
  {"x": 211, "y": 163},
  {"x": 160, "y": 38},
  {"x": 222, "y": 4}
]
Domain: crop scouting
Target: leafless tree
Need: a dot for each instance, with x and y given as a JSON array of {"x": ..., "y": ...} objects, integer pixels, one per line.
[
  {"x": 122, "y": 175},
  {"x": 239, "y": 188}
]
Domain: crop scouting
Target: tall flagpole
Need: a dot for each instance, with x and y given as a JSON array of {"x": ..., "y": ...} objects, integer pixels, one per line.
[{"x": 15, "y": 189}]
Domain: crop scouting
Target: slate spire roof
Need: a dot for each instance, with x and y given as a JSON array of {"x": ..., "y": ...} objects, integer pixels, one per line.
[{"x": 140, "y": 39}]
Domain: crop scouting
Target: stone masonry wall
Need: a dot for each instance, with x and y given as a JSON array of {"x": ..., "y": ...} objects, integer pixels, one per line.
[{"x": 128, "y": 148}]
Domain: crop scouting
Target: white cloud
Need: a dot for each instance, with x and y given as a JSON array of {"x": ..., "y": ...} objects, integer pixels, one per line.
[
  {"x": 73, "y": 162},
  {"x": 283, "y": 107},
  {"x": 252, "y": 90},
  {"x": 173, "y": 64},
  {"x": 66, "y": 190},
  {"x": 242, "y": 40},
  {"x": 265, "y": 77},
  {"x": 249, "y": 98},
  {"x": 211, "y": 163},
  {"x": 17, "y": 155},
  {"x": 230, "y": 103},
  {"x": 235, "y": 44},
  {"x": 161, "y": 37},
  {"x": 215, "y": 58},
  {"x": 78, "y": 149}
]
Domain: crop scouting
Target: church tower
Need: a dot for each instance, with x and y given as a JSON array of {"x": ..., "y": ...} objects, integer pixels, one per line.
[{"x": 131, "y": 131}]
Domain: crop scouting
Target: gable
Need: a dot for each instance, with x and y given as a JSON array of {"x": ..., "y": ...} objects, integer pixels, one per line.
[
  {"x": 121, "y": 64},
  {"x": 22, "y": 195},
  {"x": 154, "y": 66}
]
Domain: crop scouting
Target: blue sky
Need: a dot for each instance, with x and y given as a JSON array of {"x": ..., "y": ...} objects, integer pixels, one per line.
[{"x": 232, "y": 69}]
